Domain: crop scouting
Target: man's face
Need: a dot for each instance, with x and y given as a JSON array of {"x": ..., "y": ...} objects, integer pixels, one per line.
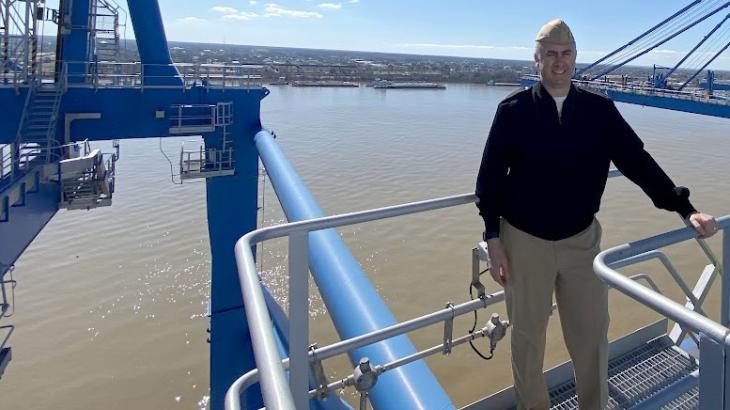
[{"x": 556, "y": 64}]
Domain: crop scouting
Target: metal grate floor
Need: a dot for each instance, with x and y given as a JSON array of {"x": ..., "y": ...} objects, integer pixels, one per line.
[
  {"x": 636, "y": 376},
  {"x": 687, "y": 401}
]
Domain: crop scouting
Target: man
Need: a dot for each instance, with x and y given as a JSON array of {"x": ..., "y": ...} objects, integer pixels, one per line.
[{"x": 540, "y": 183}]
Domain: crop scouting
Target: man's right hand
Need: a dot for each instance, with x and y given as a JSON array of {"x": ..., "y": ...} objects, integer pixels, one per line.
[{"x": 499, "y": 261}]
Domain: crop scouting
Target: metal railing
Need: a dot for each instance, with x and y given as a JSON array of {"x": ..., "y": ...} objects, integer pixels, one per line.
[
  {"x": 270, "y": 372},
  {"x": 105, "y": 74},
  {"x": 6, "y": 160},
  {"x": 274, "y": 387},
  {"x": 196, "y": 162},
  {"x": 639, "y": 89},
  {"x": 137, "y": 75},
  {"x": 183, "y": 116},
  {"x": 714, "y": 340}
]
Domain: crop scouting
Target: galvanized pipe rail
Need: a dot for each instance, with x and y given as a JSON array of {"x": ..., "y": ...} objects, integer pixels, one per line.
[
  {"x": 274, "y": 386},
  {"x": 270, "y": 367},
  {"x": 344, "y": 346},
  {"x": 276, "y": 392},
  {"x": 317, "y": 355},
  {"x": 714, "y": 344}
]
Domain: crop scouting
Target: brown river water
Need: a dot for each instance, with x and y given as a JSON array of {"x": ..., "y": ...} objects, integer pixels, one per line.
[{"x": 110, "y": 304}]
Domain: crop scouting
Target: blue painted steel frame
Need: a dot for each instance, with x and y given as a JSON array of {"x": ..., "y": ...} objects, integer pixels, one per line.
[
  {"x": 232, "y": 200},
  {"x": 658, "y": 101},
  {"x": 691, "y": 106},
  {"x": 152, "y": 43},
  {"x": 75, "y": 44}
]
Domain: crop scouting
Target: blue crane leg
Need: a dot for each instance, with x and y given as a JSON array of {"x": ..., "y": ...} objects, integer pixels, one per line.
[
  {"x": 352, "y": 301},
  {"x": 152, "y": 43},
  {"x": 75, "y": 44}
]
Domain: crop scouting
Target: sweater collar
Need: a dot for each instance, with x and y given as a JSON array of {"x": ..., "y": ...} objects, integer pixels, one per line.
[{"x": 546, "y": 101}]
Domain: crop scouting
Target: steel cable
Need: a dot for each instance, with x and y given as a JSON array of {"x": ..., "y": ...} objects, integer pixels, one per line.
[{"x": 679, "y": 23}]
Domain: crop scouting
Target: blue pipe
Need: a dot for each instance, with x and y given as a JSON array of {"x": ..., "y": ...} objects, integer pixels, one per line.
[
  {"x": 152, "y": 43},
  {"x": 352, "y": 301}
]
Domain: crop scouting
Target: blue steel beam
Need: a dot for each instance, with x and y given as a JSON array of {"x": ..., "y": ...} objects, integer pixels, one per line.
[
  {"x": 705, "y": 65},
  {"x": 75, "y": 36},
  {"x": 642, "y": 35},
  {"x": 25, "y": 221},
  {"x": 353, "y": 303},
  {"x": 669, "y": 103},
  {"x": 704, "y": 39},
  {"x": 675, "y": 34},
  {"x": 125, "y": 113},
  {"x": 152, "y": 43}
]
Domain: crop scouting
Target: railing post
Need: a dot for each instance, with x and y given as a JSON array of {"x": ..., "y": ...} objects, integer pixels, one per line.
[
  {"x": 725, "y": 303},
  {"x": 299, "y": 318},
  {"x": 711, "y": 374}
]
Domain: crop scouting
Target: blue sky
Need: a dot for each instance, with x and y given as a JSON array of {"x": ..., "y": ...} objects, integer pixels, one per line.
[{"x": 471, "y": 28}]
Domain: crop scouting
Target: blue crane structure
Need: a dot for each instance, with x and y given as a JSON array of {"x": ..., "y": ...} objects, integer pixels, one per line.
[
  {"x": 675, "y": 87},
  {"x": 54, "y": 110}
]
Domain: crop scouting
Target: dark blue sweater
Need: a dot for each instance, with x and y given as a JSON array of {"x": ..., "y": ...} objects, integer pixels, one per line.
[{"x": 546, "y": 175}]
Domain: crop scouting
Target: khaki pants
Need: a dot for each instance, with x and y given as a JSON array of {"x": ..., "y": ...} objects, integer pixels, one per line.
[{"x": 566, "y": 266}]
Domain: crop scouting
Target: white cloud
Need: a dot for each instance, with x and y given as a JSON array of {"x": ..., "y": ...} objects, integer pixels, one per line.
[
  {"x": 663, "y": 51},
  {"x": 274, "y": 10},
  {"x": 252, "y": 2},
  {"x": 240, "y": 16},
  {"x": 225, "y": 10},
  {"x": 330, "y": 6},
  {"x": 191, "y": 20},
  {"x": 354, "y": 1},
  {"x": 231, "y": 13}
]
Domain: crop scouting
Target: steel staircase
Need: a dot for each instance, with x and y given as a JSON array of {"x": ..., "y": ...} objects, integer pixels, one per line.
[
  {"x": 36, "y": 143},
  {"x": 87, "y": 181},
  {"x": 22, "y": 163},
  {"x": 646, "y": 370},
  {"x": 657, "y": 375}
]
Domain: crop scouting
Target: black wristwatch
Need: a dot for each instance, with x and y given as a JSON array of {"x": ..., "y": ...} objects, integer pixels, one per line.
[{"x": 487, "y": 235}]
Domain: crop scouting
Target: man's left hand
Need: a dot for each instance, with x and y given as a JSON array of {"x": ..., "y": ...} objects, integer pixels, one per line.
[{"x": 704, "y": 224}]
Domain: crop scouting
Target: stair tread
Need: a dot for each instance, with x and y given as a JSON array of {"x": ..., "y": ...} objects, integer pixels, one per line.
[{"x": 628, "y": 382}]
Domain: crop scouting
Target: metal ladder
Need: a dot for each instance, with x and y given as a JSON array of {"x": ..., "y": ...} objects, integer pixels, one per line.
[
  {"x": 205, "y": 161},
  {"x": 104, "y": 22}
]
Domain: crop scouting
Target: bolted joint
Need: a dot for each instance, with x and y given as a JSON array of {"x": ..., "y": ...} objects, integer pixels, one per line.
[
  {"x": 364, "y": 376},
  {"x": 495, "y": 330}
]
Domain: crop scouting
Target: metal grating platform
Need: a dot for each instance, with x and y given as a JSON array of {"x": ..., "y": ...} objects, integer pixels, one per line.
[
  {"x": 688, "y": 401},
  {"x": 637, "y": 376}
]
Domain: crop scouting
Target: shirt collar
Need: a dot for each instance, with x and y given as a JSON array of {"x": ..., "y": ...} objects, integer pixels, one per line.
[{"x": 543, "y": 98}]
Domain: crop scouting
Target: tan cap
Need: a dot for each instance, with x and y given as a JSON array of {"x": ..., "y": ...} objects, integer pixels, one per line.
[{"x": 555, "y": 32}]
